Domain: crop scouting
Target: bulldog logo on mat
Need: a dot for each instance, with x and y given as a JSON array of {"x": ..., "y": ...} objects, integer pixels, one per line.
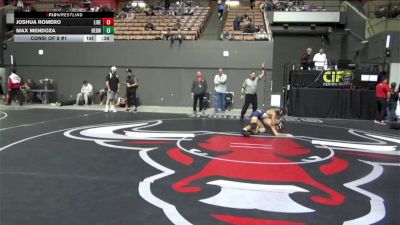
[{"x": 230, "y": 179}]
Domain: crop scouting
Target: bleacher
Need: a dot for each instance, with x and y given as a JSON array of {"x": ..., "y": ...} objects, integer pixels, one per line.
[
  {"x": 105, "y": 3},
  {"x": 254, "y": 14},
  {"x": 134, "y": 29}
]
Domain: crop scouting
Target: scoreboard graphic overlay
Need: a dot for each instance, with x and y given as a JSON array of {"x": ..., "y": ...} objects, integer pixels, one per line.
[{"x": 64, "y": 27}]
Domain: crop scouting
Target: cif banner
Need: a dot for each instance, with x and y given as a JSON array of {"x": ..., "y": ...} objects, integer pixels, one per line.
[{"x": 337, "y": 78}]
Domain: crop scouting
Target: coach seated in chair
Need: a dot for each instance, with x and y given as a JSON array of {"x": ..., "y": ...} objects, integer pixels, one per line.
[
  {"x": 86, "y": 93},
  {"x": 226, "y": 35}
]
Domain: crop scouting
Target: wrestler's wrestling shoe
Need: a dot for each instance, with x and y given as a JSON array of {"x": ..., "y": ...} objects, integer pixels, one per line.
[{"x": 245, "y": 133}]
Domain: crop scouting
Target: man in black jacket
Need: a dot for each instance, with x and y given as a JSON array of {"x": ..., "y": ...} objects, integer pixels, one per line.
[
  {"x": 199, "y": 89},
  {"x": 131, "y": 86}
]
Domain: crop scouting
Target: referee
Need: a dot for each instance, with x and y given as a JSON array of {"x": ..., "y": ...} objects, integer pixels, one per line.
[{"x": 250, "y": 88}]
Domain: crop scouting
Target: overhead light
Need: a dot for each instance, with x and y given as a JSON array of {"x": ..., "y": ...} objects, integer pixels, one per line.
[
  {"x": 347, "y": 29},
  {"x": 388, "y": 41},
  {"x": 364, "y": 42},
  {"x": 232, "y": 2},
  {"x": 141, "y": 4}
]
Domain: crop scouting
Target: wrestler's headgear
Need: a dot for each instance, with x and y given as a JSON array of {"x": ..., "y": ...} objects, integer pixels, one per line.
[
  {"x": 280, "y": 112},
  {"x": 279, "y": 125}
]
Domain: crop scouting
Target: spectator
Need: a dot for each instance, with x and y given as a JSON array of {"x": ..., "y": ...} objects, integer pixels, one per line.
[
  {"x": 392, "y": 103},
  {"x": 149, "y": 26},
  {"x": 320, "y": 60},
  {"x": 180, "y": 11},
  {"x": 226, "y": 36},
  {"x": 148, "y": 11},
  {"x": 221, "y": 9},
  {"x": 20, "y": 5},
  {"x": 132, "y": 84},
  {"x": 261, "y": 34},
  {"x": 382, "y": 93},
  {"x": 86, "y": 93},
  {"x": 190, "y": 12},
  {"x": 167, "y": 3},
  {"x": 166, "y": 35},
  {"x": 252, "y": 4},
  {"x": 171, "y": 12},
  {"x": 305, "y": 60},
  {"x": 246, "y": 18},
  {"x": 249, "y": 88},
  {"x": 248, "y": 27},
  {"x": 121, "y": 15},
  {"x": 236, "y": 22},
  {"x": 220, "y": 81},
  {"x": 199, "y": 89},
  {"x": 112, "y": 83},
  {"x": 14, "y": 84},
  {"x": 178, "y": 36},
  {"x": 130, "y": 16},
  {"x": 177, "y": 25}
]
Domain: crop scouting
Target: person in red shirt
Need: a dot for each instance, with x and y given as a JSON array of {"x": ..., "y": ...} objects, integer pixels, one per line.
[
  {"x": 14, "y": 88},
  {"x": 382, "y": 93}
]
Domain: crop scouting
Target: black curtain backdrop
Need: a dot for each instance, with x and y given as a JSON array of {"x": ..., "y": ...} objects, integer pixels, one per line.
[{"x": 332, "y": 103}]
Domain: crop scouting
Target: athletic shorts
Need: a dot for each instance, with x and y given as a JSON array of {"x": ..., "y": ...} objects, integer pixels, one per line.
[
  {"x": 111, "y": 95},
  {"x": 259, "y": 114}
]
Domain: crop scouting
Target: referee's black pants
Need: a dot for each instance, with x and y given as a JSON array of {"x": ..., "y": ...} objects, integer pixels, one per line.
[
  {"x": 249, "y": 99},
  {"x": 131, "y": 98}
]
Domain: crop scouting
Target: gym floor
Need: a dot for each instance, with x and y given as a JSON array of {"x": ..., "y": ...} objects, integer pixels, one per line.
[{"x": 87, "y": 167}]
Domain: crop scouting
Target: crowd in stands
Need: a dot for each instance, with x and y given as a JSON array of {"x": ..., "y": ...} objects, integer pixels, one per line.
[
  {"x": 388, "y": 11},
  {"x": 183, "y": 21},
  {"x": 244, "y": 24},
  {"x": 63, "y": 7},
  {"x": 152, "y": 23},
  {"x": 289, "y": 5}
]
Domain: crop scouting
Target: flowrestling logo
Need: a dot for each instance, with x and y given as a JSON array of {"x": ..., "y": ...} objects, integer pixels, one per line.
[{"x": 261, "y": 179}]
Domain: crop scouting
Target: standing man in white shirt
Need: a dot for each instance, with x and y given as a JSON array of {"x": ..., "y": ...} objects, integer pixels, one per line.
[
  {"x": 220, "y": 90},
  {"x": 320, "y": 60},
  {"x": 86, "y": 92}
]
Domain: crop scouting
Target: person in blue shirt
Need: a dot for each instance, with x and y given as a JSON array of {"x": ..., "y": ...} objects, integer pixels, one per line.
[{"x": 221, "y": 9}]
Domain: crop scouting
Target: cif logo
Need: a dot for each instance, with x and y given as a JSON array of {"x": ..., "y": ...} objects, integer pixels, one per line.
[{"x": 338, "y": 77}]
